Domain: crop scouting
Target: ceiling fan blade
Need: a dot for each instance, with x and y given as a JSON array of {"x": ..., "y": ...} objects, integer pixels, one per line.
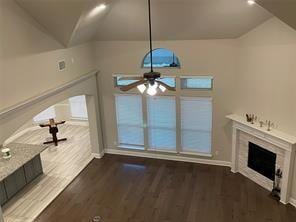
[
  {"x": 131, "y": 78},
  {"x": 132, "y": 85},
  {"x": 166, "y": 86}
]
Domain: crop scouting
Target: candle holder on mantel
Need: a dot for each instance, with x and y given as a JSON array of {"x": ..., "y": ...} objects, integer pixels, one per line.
[
  {"x": 276, "y": 191},
  {"x": 251, "y": 118}
]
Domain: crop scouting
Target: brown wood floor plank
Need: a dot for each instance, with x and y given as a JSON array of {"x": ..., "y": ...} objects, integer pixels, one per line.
[{"x": 131, "y": 189}]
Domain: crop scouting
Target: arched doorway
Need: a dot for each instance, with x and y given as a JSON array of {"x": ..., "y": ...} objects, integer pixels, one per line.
[
  {"x": 61, "y": 164},
  {"x": 13, "y": 118}
]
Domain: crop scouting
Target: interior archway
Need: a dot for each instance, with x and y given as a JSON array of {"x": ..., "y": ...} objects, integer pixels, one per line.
[{"x": 62, "y": 163}]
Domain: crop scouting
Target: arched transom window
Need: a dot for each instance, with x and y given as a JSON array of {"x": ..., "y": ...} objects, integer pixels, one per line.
[{"x": 162, "y": 58}]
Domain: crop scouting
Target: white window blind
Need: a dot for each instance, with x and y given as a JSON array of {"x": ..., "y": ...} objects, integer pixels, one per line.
[
  {"x": 196, "y": 125},
  {"x": 78, "y": 107},
  {"x": 45, "y": 115},
  {"x": 129, "y": 121},
  {"x": 161, "y": 123}
]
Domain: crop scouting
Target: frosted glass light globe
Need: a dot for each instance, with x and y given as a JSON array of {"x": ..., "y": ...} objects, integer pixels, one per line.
[
  {"x": 141, "y": 88},
  {"x": 151, "y": 91}
]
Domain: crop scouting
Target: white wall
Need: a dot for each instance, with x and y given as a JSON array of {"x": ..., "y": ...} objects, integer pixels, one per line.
[
  {"x": 28, "y": 62},
  {"x": 266, "y": 79},
  {"x": 29, "y": 57},
  {"x": 213, "y": 57}
]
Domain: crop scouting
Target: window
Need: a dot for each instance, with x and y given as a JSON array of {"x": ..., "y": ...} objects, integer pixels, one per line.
[
  {"x": 123, "y": 82},
  {"x": 45, "y": 115},
  {"x": 78, "y": 107},
  {"x": 171, "y": 81},
  {"x": 162, "y": 58},
  {"x": 196, "y": 124},
  {"x": 200, "y": 82},
  {"x": 129, "y": 121},
  {"x": 161, "y": 113}
]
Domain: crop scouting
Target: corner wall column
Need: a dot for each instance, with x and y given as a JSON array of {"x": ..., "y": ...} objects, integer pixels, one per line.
[
  {"x": 94, "y": 126},
  {"x": 235, "y": 132}
]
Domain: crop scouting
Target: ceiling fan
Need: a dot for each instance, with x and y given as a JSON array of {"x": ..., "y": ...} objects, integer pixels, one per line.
[{"x": 151, "y": 81}]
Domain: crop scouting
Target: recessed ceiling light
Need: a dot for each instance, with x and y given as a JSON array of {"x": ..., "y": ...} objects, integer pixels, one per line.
[
  {"x": 98, "y": 9},
  {"x": 251, "y": 2}
]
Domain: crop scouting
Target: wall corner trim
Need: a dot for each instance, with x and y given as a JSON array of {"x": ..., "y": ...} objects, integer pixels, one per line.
[
  {"x": 292, "y": 202},
  {"x": 46, "y": 94},
  {"x": 98, "y": 155}
]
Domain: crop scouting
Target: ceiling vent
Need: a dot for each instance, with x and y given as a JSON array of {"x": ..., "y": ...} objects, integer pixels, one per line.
[{"x": 62, "y": 65}]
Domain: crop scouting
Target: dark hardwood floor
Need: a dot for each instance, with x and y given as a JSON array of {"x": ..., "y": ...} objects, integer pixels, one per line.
[{"x": 130, "y": 189}]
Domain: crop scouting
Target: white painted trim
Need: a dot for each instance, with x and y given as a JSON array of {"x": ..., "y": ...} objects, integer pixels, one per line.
[
  {"x": 98, "y": 155},
  {"x": 209, "y": 155},
  {"x": 163, "y": 156},
  {"x": 292, "y": 202},
  {"x": 196, "y": 77},
  {"x": 279, "y": 138},
  {"x": 45, "y": 94}
]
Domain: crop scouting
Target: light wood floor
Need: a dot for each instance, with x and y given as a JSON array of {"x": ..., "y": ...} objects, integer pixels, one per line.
[{"x": 60, "y": 164}]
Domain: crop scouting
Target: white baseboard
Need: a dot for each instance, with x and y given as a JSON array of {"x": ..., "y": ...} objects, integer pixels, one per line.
[
  {"x": 163, "y": 156},
  {"x": 292, "y": 202},
  {"x": 98, "y": 155}
]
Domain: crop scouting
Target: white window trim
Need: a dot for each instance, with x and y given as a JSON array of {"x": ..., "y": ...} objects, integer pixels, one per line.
[{"x": 196, "y": 77}]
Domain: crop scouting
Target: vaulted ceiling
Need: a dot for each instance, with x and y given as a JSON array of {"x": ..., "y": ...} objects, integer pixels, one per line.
[
  {"x": 76, "y": 21},
  {"x": 283, "y": 9}
]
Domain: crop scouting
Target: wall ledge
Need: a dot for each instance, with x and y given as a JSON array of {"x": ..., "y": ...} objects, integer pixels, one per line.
[{"x": 46, "y": 94}]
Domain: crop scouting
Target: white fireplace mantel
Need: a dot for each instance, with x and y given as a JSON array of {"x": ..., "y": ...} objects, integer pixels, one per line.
[{"x": 283, "y": 141}]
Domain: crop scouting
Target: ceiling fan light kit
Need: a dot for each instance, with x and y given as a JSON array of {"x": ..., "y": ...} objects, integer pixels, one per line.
[{"x": 151, "y": 81}]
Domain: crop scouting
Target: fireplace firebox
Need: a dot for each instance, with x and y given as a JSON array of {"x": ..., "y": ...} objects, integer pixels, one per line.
[{"x": 262, "y": 161}]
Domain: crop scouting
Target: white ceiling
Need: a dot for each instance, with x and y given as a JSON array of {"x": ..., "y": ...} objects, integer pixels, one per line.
[
  {"x": 283, "y": 9},
  {"x": 73, "y": 21},
  {"x": 59, "y": 17},
  {"x": 180, "y": 19}
]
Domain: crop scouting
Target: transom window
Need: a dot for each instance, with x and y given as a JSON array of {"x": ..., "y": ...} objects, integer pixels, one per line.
[
  {"x": 196, "y": 82},
  {"x": 162, "y": 58},
  {"x": 118, "y": 82}
]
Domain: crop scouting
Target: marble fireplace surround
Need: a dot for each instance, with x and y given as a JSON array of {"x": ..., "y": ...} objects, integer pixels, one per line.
[{"x": 282, "y": 144}]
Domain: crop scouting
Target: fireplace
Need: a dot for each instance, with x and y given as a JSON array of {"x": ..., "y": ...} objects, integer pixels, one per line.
[{"x": 262, "y": 161}]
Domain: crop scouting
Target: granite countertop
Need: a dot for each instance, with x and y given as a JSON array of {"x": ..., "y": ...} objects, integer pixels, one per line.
[{"x": 20, "y": 154}]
